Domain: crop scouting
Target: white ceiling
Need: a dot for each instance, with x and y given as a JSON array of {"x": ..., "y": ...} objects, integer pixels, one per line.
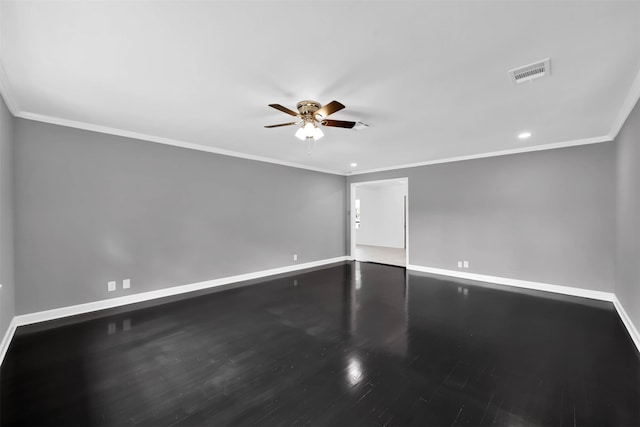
[{"x": 431, "y": 77}]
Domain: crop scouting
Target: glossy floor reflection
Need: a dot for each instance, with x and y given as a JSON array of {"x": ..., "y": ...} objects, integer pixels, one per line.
[{"x": 354, "y": 344}]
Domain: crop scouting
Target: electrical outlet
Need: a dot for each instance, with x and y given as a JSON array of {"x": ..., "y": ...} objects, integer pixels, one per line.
[
  {"x": 111, "y": 286},
  {"x": 459, "y": 264},
  {"x": 465, "y": 264},
  {"x": 126, "y": 283},
  {"x": 295, "y": 257}
]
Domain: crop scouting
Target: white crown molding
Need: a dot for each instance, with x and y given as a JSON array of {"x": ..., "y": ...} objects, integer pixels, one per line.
[
  {"x": 199, "y": 147},
  {"x": 9, "y": 99},
  {"x": 5, "y": 90},
  {"x": 162, "y": 140},
  {"x": 627, "y": 106},
  {"x": 206, "y": 148},
  {"x": 631, "y": 328},
  {"x": 573, "y": 143},
  {"x": 6, "y": 340},
  {"x": 6, "y": 93},
  {"x": 58, "y": 313}
]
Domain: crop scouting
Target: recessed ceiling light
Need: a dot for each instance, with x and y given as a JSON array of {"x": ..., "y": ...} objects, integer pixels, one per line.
[
  {"x": 353, "y": 165},
  {"x": 524, "y": 135}
]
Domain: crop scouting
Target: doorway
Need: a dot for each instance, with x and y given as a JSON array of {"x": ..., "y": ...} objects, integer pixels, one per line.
[{"x": 379, "y": 224}]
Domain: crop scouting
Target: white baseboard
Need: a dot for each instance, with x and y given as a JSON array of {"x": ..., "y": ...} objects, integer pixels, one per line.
[
  {"x": 57, "y": 313},
  {"x": 631, "y": 328},
  {"x": 6, "y": 340},
  {"x": 566, "y": 290},
  {"x": 42, "y": 316}
]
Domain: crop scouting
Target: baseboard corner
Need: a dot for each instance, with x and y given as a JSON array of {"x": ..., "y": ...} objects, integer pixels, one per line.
[
  {"x": 8, "y": 337},
  {"x": 626, "y": 320}
]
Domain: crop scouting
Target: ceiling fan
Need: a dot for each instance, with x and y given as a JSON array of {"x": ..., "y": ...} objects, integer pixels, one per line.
[{"x": 312, "y": 113}]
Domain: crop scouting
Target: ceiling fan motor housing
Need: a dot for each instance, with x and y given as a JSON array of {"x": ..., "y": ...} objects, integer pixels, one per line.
[{"x": 307, "y": 109}]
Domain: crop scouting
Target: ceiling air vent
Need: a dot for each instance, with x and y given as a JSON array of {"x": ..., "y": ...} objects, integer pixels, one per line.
[{"x": 531, "y": 71}]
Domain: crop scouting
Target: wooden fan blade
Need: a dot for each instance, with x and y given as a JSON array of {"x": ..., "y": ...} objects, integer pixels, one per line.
[
  {"x": 284, "y": 109},
  {"x": 330, "y": 108},
  {"x": 281, "y": 124},
  {"x": 338, "y": 123}
]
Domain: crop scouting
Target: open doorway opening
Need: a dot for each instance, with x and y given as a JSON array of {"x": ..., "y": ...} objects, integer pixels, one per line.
[{"x": 379, "y": 225}]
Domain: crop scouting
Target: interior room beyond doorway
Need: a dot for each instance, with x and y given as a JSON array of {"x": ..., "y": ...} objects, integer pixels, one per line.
[{"x": 380, "y": 228}]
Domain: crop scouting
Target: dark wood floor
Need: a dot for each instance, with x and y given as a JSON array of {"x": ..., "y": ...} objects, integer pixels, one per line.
[{"x": 354, "y": 344}]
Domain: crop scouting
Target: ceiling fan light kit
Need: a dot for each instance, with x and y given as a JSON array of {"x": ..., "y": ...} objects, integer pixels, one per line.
[
  {"x": 309, "y": 130},
  {"x": 311, "y": 114}
]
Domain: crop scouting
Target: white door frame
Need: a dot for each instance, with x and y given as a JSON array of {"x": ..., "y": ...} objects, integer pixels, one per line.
[{"x": 352, "y": 216}]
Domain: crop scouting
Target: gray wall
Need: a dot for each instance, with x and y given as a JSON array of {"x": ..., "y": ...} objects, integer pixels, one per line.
[
  {"x": 546, "y": 216},
  {"x": 628, "y": 255},
  {"x": 7, "y": 298},
  {"x": 92, "y": 207}
]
